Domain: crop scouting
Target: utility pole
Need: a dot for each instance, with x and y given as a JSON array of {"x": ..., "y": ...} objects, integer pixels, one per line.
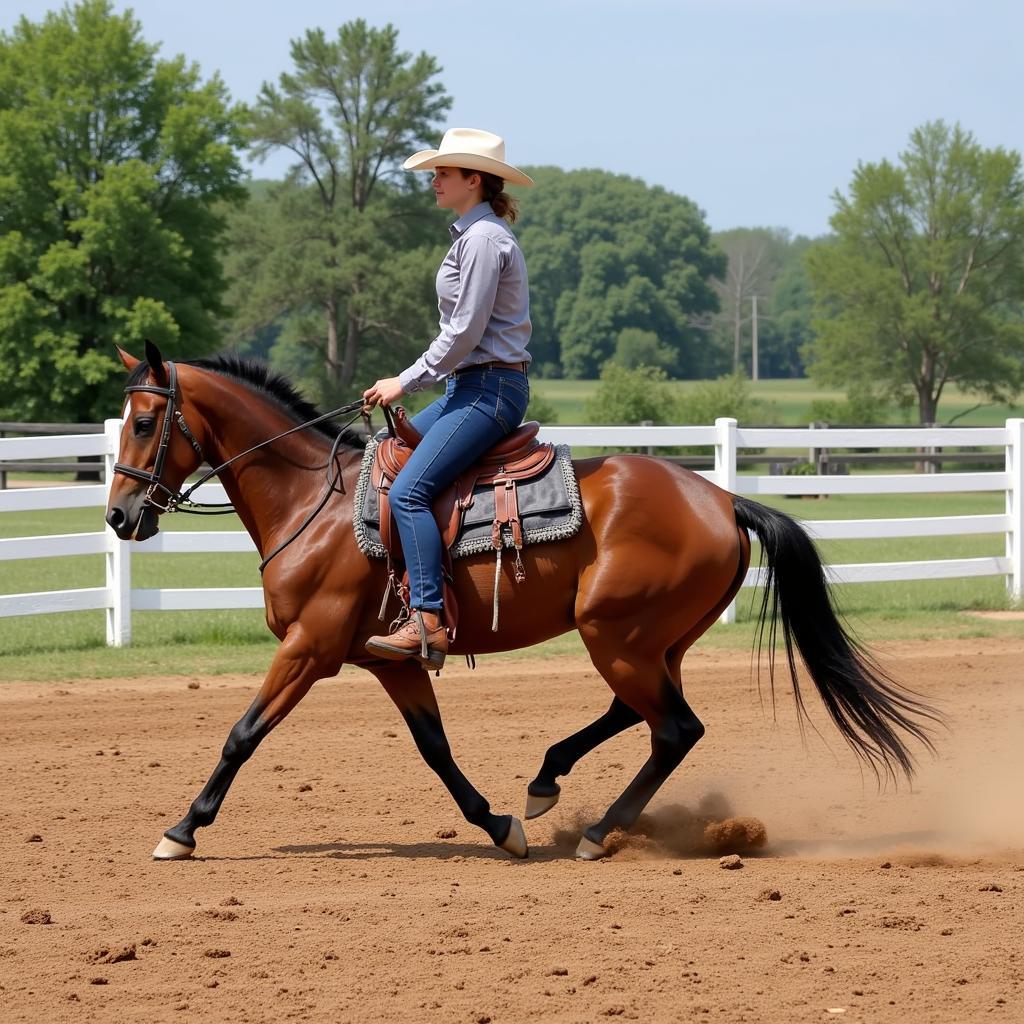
[{"x": 753, "y": 342}]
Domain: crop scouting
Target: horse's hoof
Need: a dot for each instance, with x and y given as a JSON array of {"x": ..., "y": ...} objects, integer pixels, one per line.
[
  {"x": 515, "y": 841},
  {"x": 168, "y": 849},
  {"x": 538, "y": 805},
  {"x": 588, "y": 850}
]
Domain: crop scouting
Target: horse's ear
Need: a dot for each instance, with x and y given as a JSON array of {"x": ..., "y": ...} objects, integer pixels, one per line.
[
  {"x": 129, "y": 361},
  {"x": 156, "y": 363}
]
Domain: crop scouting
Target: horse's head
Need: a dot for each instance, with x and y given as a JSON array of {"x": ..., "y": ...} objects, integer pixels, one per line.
[{"x": 157, "y": 452}]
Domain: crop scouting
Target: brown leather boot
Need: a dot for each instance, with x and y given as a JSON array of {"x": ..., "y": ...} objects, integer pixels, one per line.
[{"x": 428, "y": 645}]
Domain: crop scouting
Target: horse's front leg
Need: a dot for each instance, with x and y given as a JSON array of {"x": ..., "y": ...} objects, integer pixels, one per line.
[
  {"x": 408, "y": 685},
  {"x": 296, "y": 666}
]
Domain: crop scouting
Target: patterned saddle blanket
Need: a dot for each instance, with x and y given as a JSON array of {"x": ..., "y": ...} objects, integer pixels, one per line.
[{"x": 550, "y": 509}]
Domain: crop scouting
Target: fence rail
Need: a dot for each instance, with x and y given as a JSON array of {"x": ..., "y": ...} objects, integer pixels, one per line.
[
  {"x": 119, "y": 599},
  {"x": 46, "y": 429}
]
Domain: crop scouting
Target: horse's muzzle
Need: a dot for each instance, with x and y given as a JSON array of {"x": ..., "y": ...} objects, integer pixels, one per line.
[{"x": 139, "y": 523}]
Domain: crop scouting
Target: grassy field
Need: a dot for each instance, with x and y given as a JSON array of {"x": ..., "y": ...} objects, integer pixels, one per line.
[
  {"x": 791, "y": 400},
  {"x": 72, "y": 645}
]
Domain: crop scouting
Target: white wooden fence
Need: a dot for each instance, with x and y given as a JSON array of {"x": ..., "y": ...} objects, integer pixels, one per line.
[{"x": 119, "y": 599}]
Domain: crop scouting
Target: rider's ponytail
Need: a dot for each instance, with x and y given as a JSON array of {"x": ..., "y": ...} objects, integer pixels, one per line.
[{"x": 494, "y": 193}]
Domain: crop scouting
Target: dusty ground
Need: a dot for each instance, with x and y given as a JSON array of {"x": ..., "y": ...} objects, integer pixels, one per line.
[{"x": 325, "y": 893}]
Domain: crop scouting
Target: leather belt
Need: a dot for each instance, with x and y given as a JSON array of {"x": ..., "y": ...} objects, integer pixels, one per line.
[{"x": 493, "y": 364}]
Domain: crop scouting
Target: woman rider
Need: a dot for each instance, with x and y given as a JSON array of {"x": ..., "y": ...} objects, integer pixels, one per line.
[{"x": 480, "y": 351}]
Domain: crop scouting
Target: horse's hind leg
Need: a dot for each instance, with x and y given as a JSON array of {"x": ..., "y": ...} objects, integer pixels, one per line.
[
  {"x": 408, "y": 685},
  {"x": 645, "y": 683},
  {"x": 542, "y": 793},
  {"x": 293, "y": 671}
]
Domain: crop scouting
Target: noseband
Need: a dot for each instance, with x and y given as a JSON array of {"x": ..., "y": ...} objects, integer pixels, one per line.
[{"x": 171, "y": 414}]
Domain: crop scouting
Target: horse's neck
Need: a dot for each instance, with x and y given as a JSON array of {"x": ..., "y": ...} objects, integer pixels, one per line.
[{"x": 275, "y": 487}]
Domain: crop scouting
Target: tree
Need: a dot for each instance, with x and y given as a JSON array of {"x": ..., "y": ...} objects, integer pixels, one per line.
[
  {"x": 114, "y": 171},
  {"x": 754, "y": 261},
  {"x": 923, "y": 284},
  {"x": 635, "y": 347},
  {"x": 289, "y": 265},
  {"x": 607, "y": 252},
  {"x": 786, "y": 330},
  {"x": 766, "y": 263},
  {"x": 334, "y": 248}
]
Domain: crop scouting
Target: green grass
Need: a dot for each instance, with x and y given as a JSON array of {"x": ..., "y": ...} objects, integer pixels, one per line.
[
  {"x": 71, "y": 645},
  {"x": 791, "y": 398}
]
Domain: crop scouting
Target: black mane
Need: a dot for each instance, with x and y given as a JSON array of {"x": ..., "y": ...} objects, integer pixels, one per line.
[{"x": 262, "y": 379}]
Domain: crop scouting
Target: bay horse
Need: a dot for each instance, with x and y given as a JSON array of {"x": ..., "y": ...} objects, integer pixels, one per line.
[{"x": 661, "y": 554}]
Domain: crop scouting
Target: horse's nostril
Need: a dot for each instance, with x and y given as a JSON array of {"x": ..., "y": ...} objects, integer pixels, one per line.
[{"x": 116, "y": 518}]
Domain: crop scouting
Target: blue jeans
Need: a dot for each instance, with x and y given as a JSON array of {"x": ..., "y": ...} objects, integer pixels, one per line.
[{"x": 478, "y": 408}]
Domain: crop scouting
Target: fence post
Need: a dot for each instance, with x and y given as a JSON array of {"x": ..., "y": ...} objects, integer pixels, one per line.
[
  {"x": 725, "y": 477},
  {"x": 1015, "y": 506},
  {"x": 650, "y": 448},
  {"x": 118, "y": 557}
]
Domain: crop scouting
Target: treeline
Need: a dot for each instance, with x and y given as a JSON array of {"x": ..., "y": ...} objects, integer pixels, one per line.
[{"x": 125, "y": 213}]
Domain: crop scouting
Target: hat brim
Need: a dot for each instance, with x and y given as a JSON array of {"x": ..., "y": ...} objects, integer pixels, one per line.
[{"x": 427, "y": 159}]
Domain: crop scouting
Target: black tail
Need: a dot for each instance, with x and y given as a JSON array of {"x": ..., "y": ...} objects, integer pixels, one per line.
[{"x": 867, "y": 706}]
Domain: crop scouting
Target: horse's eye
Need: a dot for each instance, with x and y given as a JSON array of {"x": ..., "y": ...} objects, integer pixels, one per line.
[{"x": 143, "y": 426}]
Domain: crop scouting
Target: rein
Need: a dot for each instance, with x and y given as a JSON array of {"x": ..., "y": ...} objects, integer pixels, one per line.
[{"x": 181, "y": 501}]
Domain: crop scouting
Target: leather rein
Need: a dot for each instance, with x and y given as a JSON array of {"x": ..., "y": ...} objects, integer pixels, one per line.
[{"x": 181, "y": 501}]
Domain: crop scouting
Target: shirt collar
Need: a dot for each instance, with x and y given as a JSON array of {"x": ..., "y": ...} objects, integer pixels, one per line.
[{"x": 470, "y": 217}]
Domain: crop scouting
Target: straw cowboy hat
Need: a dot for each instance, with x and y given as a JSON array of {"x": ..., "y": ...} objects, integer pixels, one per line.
[{"x": 473, "y": 149}]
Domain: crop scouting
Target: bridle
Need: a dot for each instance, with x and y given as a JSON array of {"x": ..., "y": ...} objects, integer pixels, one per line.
[
  {"x": 171, "y": 414},
  {"x": 181, "y": 501}
]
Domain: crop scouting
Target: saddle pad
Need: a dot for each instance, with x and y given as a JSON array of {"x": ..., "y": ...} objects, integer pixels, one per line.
[{"x": 549, "y": 508}]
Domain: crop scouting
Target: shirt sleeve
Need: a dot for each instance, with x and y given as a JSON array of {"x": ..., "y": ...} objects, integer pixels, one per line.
[{"x": 479, "y": 271}]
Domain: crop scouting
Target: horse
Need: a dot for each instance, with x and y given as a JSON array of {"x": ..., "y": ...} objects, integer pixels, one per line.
[{"x": 661, "y": 554}]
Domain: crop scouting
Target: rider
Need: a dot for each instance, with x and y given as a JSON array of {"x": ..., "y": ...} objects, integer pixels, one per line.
[{"x": 484, "y": 301}]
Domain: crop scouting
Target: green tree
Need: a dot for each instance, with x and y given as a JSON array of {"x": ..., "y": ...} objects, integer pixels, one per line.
[
  {"x": 923, "y": 284},
  {"x": 114, "y": 171},
  {"x": 786, "y": 330},
  {"x": 338, "y": 254},
  {"x": 635, "y": 347},
  {"x": 607, "y": 252}
]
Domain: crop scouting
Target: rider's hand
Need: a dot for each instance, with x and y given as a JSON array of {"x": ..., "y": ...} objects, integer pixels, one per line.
[{"x": 384, "y": 392}]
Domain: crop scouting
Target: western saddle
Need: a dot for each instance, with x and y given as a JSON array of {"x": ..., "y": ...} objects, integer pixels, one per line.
[{"x": 517, "y": 457}]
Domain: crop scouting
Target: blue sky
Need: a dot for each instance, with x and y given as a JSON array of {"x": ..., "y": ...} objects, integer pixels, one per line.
[{"x": 755, "y": 109}]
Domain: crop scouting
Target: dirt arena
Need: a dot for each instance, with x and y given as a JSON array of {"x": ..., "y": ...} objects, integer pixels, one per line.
[{"x": 340, "y": 883}]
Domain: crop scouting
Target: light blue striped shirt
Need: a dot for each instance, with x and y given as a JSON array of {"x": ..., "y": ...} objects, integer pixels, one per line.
[{"x": 484, "y": 300}]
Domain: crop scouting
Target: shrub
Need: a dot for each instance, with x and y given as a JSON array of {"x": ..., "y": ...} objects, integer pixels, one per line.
[
  {"x": 540, "y": 410},
  {"x": 859, "y": 409},
  {"x": 635, "y": 348},
  {"x": 632, "y": 396},
  {"x": 727, "y": 396}
]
